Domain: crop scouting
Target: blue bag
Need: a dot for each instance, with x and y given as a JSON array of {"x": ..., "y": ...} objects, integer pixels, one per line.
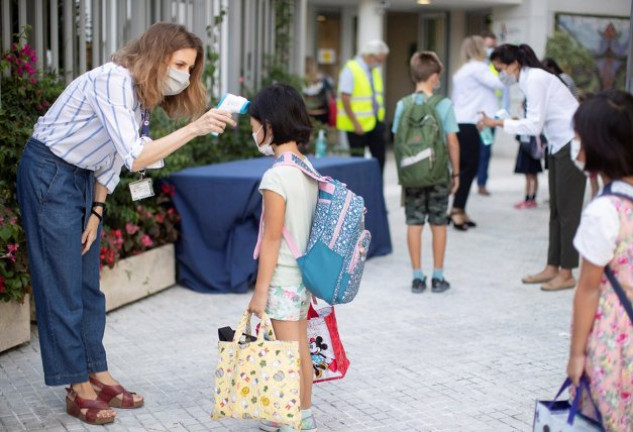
[{"x": 333, "y": 264}]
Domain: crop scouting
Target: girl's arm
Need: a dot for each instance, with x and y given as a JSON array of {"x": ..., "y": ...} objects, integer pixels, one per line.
[
  {"x": 274, "y": 218},
  {"x": 586, "y": 300},
  {"x": 92, "y": 227}
]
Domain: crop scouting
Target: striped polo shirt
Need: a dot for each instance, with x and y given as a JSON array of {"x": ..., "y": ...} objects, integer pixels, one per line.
[{"x": 95, "y": 122}]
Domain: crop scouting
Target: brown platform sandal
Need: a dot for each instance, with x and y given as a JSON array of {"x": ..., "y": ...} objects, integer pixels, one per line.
[
  {"x": 75, "y": 403},
  {"x": 109, "y": 393}
]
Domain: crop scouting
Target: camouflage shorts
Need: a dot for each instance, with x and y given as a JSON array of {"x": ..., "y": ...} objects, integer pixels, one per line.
[{"x": 424, "y": 203}]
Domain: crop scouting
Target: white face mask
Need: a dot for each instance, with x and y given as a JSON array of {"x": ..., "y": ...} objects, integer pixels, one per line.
[
  {"x": 506, "y": 79},
  {"x": 575, "y": 151},
  {"x": 175, "y": 82},
  {"x": 265, "y": 149},
  {"x": 489, "y": 51}
]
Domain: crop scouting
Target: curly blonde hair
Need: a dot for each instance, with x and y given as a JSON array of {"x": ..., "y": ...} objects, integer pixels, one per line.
[{"x": 147, "y": 60}]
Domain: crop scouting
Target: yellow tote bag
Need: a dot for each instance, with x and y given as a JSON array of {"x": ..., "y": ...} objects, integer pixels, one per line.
[{"x": 258, "y": 380}]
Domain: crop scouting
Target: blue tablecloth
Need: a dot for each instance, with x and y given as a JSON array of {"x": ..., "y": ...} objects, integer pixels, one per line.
[{"x": 220, "y": 206}]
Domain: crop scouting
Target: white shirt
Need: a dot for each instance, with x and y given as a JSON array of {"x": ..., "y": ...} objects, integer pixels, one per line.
[
  {"x": 300, "y": 193},
  {"x": 597, "y": 235},
  {"x": 550, "y": 109},
  {"x": 94, "y": 124},
  {"x": 474, "y": 87}
]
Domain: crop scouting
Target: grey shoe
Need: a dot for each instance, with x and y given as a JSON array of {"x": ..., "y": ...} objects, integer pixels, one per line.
[
  {"x": 439, "y": 285},
  {"x": 418, "y": 285},
  {"x": 269, "y": 426}
]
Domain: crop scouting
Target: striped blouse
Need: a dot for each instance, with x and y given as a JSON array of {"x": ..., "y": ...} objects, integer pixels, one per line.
[{"x": 94, "y": 124}]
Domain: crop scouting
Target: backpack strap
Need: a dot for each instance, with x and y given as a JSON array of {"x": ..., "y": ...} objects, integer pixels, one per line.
[
  {"x": 288, "y": 159},
  {"x": 291, "y": 159},
  {"x": 624, "y": 192}
]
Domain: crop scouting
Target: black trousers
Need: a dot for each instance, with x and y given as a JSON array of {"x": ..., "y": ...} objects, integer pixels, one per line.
[
  {"x": 566, "y": 193},
  {"x": 469, "y": 143},
  {"x": 374, "y": 139}
]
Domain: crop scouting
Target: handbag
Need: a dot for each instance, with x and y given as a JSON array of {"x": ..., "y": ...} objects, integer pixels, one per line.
[
  {"x": 329, "y": 360},
  {"x": 533, "y": 145},
  {"x": 560, "y": 416},
  {"x": 258, "y": 380}
]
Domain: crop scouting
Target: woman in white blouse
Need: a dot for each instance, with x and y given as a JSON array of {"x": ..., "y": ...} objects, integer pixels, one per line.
[
  {"x": 72, "y": 161},
  {"x": 474, "y": 86},
  {"x": 550, "y": 108}
]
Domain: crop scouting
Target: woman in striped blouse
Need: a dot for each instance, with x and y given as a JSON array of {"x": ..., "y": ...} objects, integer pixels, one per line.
[{"x": 70, "y": 164}]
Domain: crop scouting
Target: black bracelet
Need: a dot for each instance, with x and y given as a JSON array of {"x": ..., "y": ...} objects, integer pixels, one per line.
[
  {"x": 99, "y": 204},
  {"x": 455, "y": 175},
  {"x": 97, "y": 215}
]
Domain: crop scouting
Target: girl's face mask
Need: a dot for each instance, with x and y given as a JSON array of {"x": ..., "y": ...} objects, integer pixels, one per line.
[{"x": 265, "y": 149}]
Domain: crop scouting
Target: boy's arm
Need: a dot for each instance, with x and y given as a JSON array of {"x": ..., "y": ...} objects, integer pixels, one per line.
[
  {"x": 453, "y": 154},
  {"x": 274, "y": 218}
]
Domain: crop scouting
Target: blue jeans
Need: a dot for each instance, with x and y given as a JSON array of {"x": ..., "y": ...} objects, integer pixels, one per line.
[
  {"x": 55, "y": 201},
  {"x": 485, "y": 151}
]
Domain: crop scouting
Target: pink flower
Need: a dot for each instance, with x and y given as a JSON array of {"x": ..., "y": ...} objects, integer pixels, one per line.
[
  {"x": 160, "y": 218},
  {"x": 13, "y": 247},
  {"x": 131, "y": 228},
  {"x": 622, "y": 338},
  {"x": 625, "y": 395},
  {"x": 146, "y": 241}
]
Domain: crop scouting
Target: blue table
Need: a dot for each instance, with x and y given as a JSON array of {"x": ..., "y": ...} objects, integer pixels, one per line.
[{"x": 220, "y": 206}]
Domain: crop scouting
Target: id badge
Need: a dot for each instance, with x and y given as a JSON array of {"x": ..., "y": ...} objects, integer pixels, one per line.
[{"x": 141, "y": 189}]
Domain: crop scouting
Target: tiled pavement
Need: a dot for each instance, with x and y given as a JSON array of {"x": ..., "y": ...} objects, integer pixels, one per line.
[{"x": 471, "y": 359}]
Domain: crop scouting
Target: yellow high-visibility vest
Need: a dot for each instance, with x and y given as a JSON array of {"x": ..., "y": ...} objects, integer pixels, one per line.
[
  {"x": 361, "y": 100},
  {"x": 496, "y": 72}
]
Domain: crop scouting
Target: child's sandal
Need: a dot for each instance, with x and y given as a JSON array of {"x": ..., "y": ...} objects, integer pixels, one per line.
[
  {"x": 75, "y": 403},
  {"x": 109, "y": 393}
]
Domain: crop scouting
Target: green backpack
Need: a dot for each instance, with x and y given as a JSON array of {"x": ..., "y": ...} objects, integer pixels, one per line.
[{"x": 420, "y": 150}]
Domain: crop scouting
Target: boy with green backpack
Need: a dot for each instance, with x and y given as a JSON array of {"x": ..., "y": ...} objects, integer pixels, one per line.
[{"x": 425, "y": 141}]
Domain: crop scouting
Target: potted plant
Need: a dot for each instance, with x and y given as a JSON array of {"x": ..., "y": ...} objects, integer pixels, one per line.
[
  {"x": 138, "y": 259},
  {"x": 26, "y": 94}
]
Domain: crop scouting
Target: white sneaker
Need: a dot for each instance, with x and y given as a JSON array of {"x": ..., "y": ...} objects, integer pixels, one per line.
[{"x": 307, "y": 425}]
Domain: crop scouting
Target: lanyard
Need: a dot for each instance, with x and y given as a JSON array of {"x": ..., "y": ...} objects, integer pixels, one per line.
[{"x": 145, "y": 122}]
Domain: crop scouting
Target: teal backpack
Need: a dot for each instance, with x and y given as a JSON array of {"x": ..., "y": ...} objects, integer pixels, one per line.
[{"x": 420, "y": 149}]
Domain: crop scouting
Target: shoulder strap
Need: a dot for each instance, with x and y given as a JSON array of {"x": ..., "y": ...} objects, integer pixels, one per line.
[
  {"x": 626, "y": 303},
  {"x": 616, "y": 189},
  {"x": 435, "y": 100},
  {"x": 290, "y": 159}
]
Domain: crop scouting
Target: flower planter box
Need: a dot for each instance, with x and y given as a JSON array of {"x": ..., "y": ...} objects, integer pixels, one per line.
[
  {"x": 15, "y": 324},
  {"x": 138, "y": 276}
]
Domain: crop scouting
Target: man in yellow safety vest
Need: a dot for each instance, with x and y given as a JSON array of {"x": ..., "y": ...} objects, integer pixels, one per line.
[{"x": 361, "y": 103}]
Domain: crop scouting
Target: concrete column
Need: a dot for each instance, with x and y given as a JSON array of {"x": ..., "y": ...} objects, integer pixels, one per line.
[
  {"x": 54, "y": 24},
  {"x": 38, "y": 35},
  {"x": 69, "y": 47},
  {"x": 82, "y": 37},
  {"x": 370, "y": 22},
  {"x": 96, "y": 16},
  {"x": 300, "y": 30},
  {"x": 233, "y": 21}
]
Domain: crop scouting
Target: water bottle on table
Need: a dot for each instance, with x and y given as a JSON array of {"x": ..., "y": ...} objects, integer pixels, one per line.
[{"x": 320, "y": 146}]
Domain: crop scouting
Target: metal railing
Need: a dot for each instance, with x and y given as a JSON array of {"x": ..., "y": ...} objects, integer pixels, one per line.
[{"x": 73, "y": 36}]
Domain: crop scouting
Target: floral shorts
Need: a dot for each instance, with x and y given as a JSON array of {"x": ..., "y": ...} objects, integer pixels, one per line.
[{"x": 288, "y": 303}]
